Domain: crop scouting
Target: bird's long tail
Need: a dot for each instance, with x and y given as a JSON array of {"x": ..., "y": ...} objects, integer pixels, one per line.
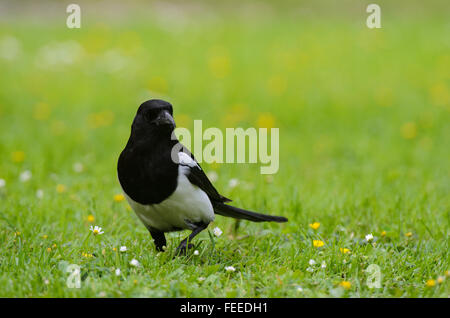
[{"x": 237, "y": 213}]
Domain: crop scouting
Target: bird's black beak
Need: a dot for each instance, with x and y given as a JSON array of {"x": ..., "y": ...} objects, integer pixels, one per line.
[{"x": 164, "y": 119}]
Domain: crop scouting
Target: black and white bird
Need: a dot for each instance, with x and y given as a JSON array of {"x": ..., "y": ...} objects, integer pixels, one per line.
[{"x": 165, "y": 185}]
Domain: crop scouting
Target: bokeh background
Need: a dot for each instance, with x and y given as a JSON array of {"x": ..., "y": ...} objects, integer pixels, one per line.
[{"x": 363, "y": 117}]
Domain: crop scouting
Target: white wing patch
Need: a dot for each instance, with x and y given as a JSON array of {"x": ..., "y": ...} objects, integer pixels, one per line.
[{"x": 185, "y": 159}]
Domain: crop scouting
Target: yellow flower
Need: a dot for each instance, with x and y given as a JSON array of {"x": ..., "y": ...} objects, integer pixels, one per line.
[
  {"x": 130, "y": 42},
  {"x": 318, "y": 243},
  {"x": 114, "y": 249},
  {"x": 409, "y": 130},
  {"x": 158, "y": 84},
  {"x": 345, "y": 284},
  {"x": 236, "y": 113},
  {"x": 45, "y": 236},
  {"x": 266, "y": 120},
  {"x": 54, "y": 246},
  {"x": 100, "y": 119},
  {"x": 17, "y": 233},
  {"x": 60, "y": 188},
  {"x": 219, "y": 62},
  {"x": 447, "y": 273},
  {"x": 41, "y": 111},
  {"x": 276, "y": 85},
  {"x": 18, "y": 156},
  {"x": 49, "y": 249},
  {"x": 409, "y": 234},
  {"x": 90, "y": 218},
  {"x": 344, "y": 250},
  {"x": 314, "y": 225},
  {"x": 119, "y": 197},
  {"x": 430, "y": 283},
  {"x": 383, "y": 233},
  {"x": 440, "y": 94},
  {"x": 440, "y": 279}
]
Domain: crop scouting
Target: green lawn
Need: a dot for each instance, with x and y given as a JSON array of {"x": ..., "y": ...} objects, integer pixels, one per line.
[{"x": 364, "y": 149}]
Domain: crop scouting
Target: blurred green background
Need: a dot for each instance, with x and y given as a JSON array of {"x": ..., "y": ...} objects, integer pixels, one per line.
[{"x": 363, "y": 113}]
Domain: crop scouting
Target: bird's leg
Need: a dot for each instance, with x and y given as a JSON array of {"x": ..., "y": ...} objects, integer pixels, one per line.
[
  {"x": 158, "y": 238},
  {"x": 182, "y": 248},
  {"x": 236, "y": 226}
]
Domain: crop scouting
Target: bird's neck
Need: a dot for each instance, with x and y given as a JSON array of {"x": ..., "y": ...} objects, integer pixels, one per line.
[{"x": 144, "y": 141}]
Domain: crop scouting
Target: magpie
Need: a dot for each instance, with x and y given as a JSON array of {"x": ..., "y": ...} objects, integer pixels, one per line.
[{"x": 165, "y": 185}]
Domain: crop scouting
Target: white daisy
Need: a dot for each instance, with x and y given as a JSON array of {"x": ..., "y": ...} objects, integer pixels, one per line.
[
  {"x": 96, "y": 230},
  {"x": 230, "y": 269},
  {"x": 117, "y": 271},
  {"x": 78, "y": 167},
  {"x": 59, "y": 54},
  {"x": 196, "y": 252},
  {"x": 323, "y": 265},
  {"x": 299, "y": 289},
  {"x": 134, "y": 262},
  {"x": 123, "y": 249},
  {"x": 39, "y": 193},
  {"x": 25, "y": 176},
  {"x": 217, "y": 232},
  {"x": 312, "y": 262},
  {"x": 114, "y": 61},
  {"x": 213, "y": 176},
  {"x": 369, "y": 237},
  {"x": 2, "y": 183},
  {"x": 310, "y": 269},
  {"x": 233, "y": 183}
]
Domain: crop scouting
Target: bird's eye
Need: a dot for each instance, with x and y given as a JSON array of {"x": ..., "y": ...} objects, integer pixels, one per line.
[{"x": 151, "y": 115}]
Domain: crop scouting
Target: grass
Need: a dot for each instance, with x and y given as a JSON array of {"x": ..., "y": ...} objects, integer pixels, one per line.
[{"x": 363, "y": 117}]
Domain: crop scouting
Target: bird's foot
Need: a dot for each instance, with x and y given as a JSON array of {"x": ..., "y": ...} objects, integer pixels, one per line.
[{"x": 182, "y": 248}]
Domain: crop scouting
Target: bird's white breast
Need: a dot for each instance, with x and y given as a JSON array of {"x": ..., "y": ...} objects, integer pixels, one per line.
[{"x": 187, "y": 203}]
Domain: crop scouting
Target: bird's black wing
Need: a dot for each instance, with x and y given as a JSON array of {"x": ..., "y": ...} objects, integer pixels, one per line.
[{"x": 198, "y": 177}]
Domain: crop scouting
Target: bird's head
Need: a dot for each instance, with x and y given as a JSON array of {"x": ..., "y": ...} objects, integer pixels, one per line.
[{"x": 154, "y": 116}]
